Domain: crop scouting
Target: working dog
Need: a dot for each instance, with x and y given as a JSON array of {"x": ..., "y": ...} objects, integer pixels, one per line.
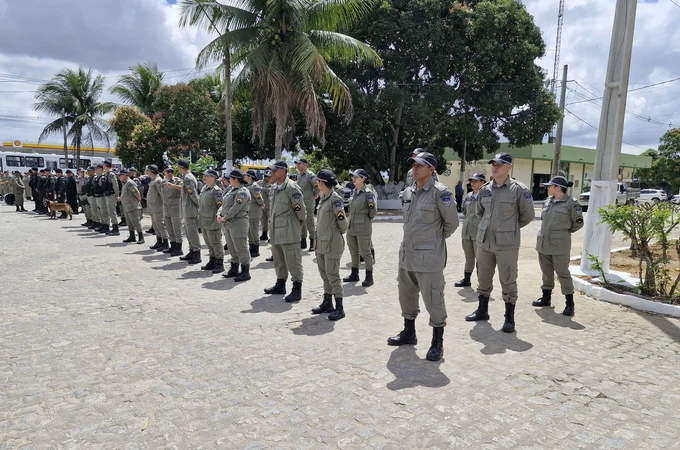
[{"x": 63, "y": 207}]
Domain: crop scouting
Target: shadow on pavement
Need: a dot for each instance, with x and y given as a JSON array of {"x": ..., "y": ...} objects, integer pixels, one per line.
[
  {"x": 116, "y": 244},
  {"x": 198, "y": 274},
  {"x": 314, "y": 326},
  {"x": 172, "y": 266},
  {"x": 158, "y": 256},
  {"x": 469, "y": 295},
  {"x": 143, "y": 252},
  {"x": 671, "y": 328},
  {"x": 496, "y": 342},
  {"x": 549, "y": 315},
  {"x": 411, "y": 371},
  {"x": 223, "y": 284},
  {"x": 269, "y": 303}
]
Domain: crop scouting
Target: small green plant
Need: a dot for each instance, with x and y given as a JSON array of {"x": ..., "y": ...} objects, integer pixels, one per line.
[{"x": 596, "y": 264}]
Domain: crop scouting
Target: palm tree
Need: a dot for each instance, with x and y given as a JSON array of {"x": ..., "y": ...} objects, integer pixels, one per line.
[
  {"x": 283, "y": 49},
  {"x": 138, "y": 88},
  {"x": 76, "y": 93}
]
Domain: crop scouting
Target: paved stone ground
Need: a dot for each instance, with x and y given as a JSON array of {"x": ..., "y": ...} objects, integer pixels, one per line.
[{"x": 107, "y": 345}]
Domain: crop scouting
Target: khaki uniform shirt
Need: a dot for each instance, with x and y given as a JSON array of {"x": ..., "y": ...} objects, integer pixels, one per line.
[
  {"x": 210, "y": 203},
  {"x": 287, "y": 212},
  {"x": 307, "y": 182},
  {"x": 362, "y": 210},
  {"x": 17, "y": 186},
  {"x": 171, "y": 197},
  {"x": 559, "y": 220},
  {"x": 236, "y": 204},
  {"x": 256, "y": 201},
  {"x": 128, "y": 197},
  {"x": 113, "y": 179},
  {"x": 80, "y": 185},
  {"x": 472, "y": 219},
  {"x": 154, "y": 198},
  {"x": 265, "y": 194},
  {"x": 189, "y": 197},
  {"x": 504, "y": 210},
  {"x": 331, "y": 225},
  {"x": 430, "y": 216}
]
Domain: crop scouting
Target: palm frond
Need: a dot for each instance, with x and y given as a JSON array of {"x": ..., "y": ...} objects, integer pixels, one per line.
[
  {"x": 344, "y": 50},
  {"x": 217, "y": 17},
  {"x": 336, "y": 15}
]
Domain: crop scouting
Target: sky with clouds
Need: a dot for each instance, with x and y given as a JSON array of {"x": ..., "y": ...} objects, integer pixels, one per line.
[{"x": 38, "y": 38}]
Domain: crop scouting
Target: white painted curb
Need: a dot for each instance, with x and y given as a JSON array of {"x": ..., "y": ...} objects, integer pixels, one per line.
[{"x": 633, "y": 301}]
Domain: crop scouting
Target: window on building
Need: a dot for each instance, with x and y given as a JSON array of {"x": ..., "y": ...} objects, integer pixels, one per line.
[
  {"x": 34, "y": 161},
  {"x": 15, "y": 161}
]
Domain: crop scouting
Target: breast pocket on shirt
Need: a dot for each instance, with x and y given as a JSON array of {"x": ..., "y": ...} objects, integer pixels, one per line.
[
  {"x": 508, "y": 209},
  {"x": 426, "y": 213}
]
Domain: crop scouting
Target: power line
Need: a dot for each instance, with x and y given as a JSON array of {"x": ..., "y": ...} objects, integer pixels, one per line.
[
  {"x": 675, "y": 3},
  {"x": 631, "y": 90},
  {"x": 597, "y": 129}
]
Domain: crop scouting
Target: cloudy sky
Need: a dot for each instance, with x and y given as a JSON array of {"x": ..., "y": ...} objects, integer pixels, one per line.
[{"x": 39, "y": 37}]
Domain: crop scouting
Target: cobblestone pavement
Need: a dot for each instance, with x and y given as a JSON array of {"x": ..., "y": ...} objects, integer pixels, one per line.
[{"x": 108, "y": 345}]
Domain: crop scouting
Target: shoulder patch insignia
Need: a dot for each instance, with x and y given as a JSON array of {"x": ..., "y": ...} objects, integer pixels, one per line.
[
  {"x": 341, "y": 215},
  {"x": 578, "y": 208},
  {"x": 528, "y": 197},
  {"x": 486, "y": 193},
  {"x": 446, "y": 198},
  {"x": 190, "y": 191},
  {"x": 135, "y": 191},
  {"x": 579, "y": 219},
  {"x": 239, "y": 200},
  {"x": 338, "y": 205},
  {"x": 297, "y": 196}
]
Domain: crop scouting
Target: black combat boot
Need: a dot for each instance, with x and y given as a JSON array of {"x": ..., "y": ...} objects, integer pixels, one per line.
[
  {"x": 326, "y": 305},
  {"x": 244, "y": 275},
  {"x": 406, "y": 336},
  {"x": 295, "y": 293},
  {"x": 188, "y": 256},
  {"x": 164, "y": 246},
  {"x": 254, "y": 250},
  {"x": 233, "y": 271},
  {"x": 482, "y": 312},
  {"x": 93, "y": 225},
  {"x": 509, "y": 325},
  {"x": 23, "y": 209},
  {"x": 219, "y": 265},
  {"x": 338, "y": 313},
  {"x": 303, "y": 243},
  {"x": 122, "y": 223},
  {"x": 61, "y": 216},
  {"x": 226, "y": 247},
  {"x": 278, "y": 288},
  {"x": 105, "y": 229},
  {"x": 86, "y": 224},
  {"x": 264, "y": 236},
  {"x": 210, "y": 265},
  {"x": 17, "y": 210},
  {"x": 544, "y": 300},
  {"x": 171, "y": 248},
  {"x": 140, "y": 238},
  {"x": 354, "y": 276},
  {"x": 195, "y": 258},
  {"x": 115, "y": 231},
  {"x": 132, "y": 238},
  {"x": 178, "y": 250},
  {"x": 465, "y": 282},
  {"x": 569, "y": 309},
  {"x": 151, "y": 231},
  {"x": 270, "y": 259},
  {"x": 369, "y": 279},
  {"x": 436, "y": 350},
  {"x": 158, "y": 243},
  {"x": 311, "y": 244}
]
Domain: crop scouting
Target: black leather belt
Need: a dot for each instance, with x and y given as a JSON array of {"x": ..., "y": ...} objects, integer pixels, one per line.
[{"x": 98, "y": 195}]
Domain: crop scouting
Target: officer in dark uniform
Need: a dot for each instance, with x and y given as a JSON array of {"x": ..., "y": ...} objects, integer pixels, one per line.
[
  {"x": 72, "y": 192},
  {"x": 97, "y": 193},
  {"x": 33, "y": 183}
]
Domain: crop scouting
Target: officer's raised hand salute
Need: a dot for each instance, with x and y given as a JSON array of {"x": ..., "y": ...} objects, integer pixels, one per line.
[
  {"x": 506, "y": 205},
  {"x": 430, "y": 217}
]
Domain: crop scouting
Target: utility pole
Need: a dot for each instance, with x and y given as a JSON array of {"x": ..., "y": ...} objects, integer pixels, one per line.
[
  {"x": 63, "y": 123},
  {"x": 560, "y": 124},
  {"x": 229, "y": 163},
  {"x": 598, "y": 238}
]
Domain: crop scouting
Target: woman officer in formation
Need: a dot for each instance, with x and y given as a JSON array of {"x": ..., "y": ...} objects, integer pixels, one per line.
[
  {"x": 561, "y": 216},
  {"x": 209, "y": 203},
  {"x": 362, "y": 210},
  {"x": 234, "y": 217},
  {"x": 470, "y": 226}
]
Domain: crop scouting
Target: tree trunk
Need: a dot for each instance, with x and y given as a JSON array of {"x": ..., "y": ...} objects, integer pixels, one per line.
[
  {"x": 78, "y": 152},
  {"x": 395, "y": 142},
  {"x": 229, "y": 164},
  {"x": 278, "y": 139}
]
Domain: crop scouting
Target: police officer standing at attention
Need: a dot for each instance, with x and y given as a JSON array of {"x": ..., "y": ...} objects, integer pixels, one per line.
[
  {"x": 209, "y": 204},
  {"x": 561, "y": 216},
  {"x": 330, "y": 244},
  {"x": 154, "y": 206},
  {"x": 409, "y": 174},
  {"x": 506, "y": 205},
  {"x": 189, "y": 211},
  {"x": 362, "y": 210},
  {"x": 18, "y": 191},
  {"x": 430, "y": 217},
  {"x": 34, "y": 188},
  {"x": 171, "y": 205},
  {"x": 109, "y": 182},
  {"x": 470, "y": 224},
  {"x": 255, "y": 213},
  {"x": 234, "y": 218},
  {"x": 99, "y": 205},
  {"x": 265, "y": 211},
  {"x": 129, "y": 204},
  {"x": 310, "y": 191},
  {"x": 72, "y": 191},
  {"x": 287, "y": 214},
  {"x": 81, "y": 180}
]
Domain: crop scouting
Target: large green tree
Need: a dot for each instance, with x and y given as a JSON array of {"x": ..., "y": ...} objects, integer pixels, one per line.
[
  {"x": 76, "y": 93},
  {"x": 124, "y": 122},
  {"x": 139, "y": 86},
  {"x": 665, "y": 170}
]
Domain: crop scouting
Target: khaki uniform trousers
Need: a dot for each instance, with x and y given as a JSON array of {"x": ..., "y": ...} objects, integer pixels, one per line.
[
  {"x": 329, "y": 270},
  {"x": 191, "y": 232},
  {"x": 237, "y": 241},
  {"x": 265, "y": 220},
  {"x": 254, "y": 232},
  {"x": 431, "y": 286},
  {"x": 19, "y": 200},
  {"x": 133, "y": 221},
  {"x": 174, "y": 227},
  {"x": 213, "y": 239},
  {"x": 111, "y": 204},
  {"x": 556, "y": 264},
  {"x": 288, "y": 259},
  {"x": 105, "y": 218},
  {"x": 470, "y": 250},
  {"x": 158, "y": 225},
  {"x": 360, "y": 246},
  {"x": 85, "y": 202},
  {"x": 94, "y": 207},
  {"x": 506, "y": 261},
  {"x": 308, "y": 225}
]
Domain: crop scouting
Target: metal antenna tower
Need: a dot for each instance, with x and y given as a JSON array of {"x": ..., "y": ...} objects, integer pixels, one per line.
[{"x": 558, "y": 45}]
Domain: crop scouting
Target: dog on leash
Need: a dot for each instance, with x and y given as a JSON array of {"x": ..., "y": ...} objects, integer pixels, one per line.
[{"x": 62, "y": 207}]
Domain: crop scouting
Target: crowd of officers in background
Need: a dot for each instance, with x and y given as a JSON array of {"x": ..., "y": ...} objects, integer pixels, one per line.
[{"x": 237, "y": 204}]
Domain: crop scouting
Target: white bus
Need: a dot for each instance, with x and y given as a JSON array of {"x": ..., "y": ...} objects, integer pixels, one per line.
[{"x": 22, "y": 162}]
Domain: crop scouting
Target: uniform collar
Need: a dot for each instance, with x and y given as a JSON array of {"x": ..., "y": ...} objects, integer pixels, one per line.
[
  {"x": 427, "y": 185},
  {"x": 507, "y": 183},
  {"x": 282, "y": 185}
]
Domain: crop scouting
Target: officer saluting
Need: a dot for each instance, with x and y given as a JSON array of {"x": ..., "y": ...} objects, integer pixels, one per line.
[
  {"x": 506, "y": 205},
  {"x": 430, "y": 217},
  {"x": 470, "y": 225},
  {"x": 561, "y": 216}
]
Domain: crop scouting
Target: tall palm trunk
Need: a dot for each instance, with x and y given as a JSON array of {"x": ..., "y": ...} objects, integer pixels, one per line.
[
  {"x": 278, "y": 141},
  {"x": 395, "y": 142},
  {"x": 78, "y": 152}
]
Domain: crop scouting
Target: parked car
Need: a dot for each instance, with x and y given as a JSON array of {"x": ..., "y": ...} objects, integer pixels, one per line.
[
  {"x": 652, "y": 196},
  {"x": 626, "y": 194}
]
